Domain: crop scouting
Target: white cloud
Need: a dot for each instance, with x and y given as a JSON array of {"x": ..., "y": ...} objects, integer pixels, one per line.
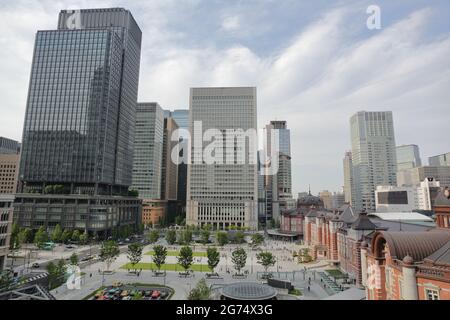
[
  {"x": 328, "y": 71},
  {"x": 231, "y": 23}
]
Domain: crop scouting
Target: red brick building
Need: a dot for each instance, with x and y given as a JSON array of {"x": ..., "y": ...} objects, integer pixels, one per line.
[{"x": 410, "y": 265}]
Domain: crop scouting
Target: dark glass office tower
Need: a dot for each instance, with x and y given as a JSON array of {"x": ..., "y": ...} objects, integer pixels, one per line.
[
  {"x": 80, "y": 118},
  {"x": 78, "y": 137}
]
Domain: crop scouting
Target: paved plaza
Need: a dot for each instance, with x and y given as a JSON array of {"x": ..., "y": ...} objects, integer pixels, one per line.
[{"x": 301, "y": 276}]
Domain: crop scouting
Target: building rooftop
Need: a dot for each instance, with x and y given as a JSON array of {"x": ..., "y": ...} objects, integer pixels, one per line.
[
  {"x": 401, "y": 216},
  {"x": 441, "y": 256},
  {"x": 418, "y": 245}
]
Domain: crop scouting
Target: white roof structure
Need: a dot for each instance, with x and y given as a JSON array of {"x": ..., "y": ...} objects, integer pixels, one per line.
[{"x": 403, "y": 216}]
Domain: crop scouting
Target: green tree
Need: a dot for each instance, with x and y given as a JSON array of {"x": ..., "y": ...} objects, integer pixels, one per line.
[
  {"x": 222, "y": 238},
  {"x": 57, "y": 233},
  {"x": 159, "y": 256},
  {"x": 56, "y": 273},
  {"x": 14, "y": 240},
  {"x": 74, "y": 259},
  {"x": 201, "y": 291},
  {"x": 213, "y": 258},
  {"x": 28, "y": 235},
  {"x": 179, "y": 220},
  {"x": 109, "y": 252},
  {"x": 185, "y": 236},
  {"x": 84, "y": 238},
  {"x": 257, "y": 239},
  {"x": 266, "y": 259},
  {"x": 185, "y": 258},
  {"x": 76, "y": 235},
  {"x": 66, "y": 235},
  {"x": 239, "y": 259},
  {"x": 204, "y": 235},
  {"x": 171, "y": 236},
  {"x": 239, "y": 237},
  {"x": 134, "y": 254},
  {"x": 153, "y": 236},
  {"x": 40, "y": 237}
]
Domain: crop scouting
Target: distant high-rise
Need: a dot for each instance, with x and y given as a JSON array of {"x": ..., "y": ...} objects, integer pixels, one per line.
[
  {"x": 79, "y": 124},
  {"x": 181, "y": 117},
  {"x": 408, "y": 156},
  {"x": 9, "y": 146},
  {"x": 148, "y": 150},
  {"x": 348, "y": 177},
  {"x": 373, "y": 156},
  {"x": 279, "y": 186},
  {"x": 327, "y": 198},
  {"x": 9, "y": 172},
  {"x": 414, "y": 176},
  {"x": 223, "y": 194},
  {"x": 169, "y": 169},
  {"x": 440, "y": 160}
]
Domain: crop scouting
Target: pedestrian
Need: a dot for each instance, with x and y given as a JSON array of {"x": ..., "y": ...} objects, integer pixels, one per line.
[{"x": 309, "y": 288}]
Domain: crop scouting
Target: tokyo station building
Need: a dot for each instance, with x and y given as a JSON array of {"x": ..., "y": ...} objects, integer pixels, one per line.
[
  {"x": 392, "y": 260},
  {"x": 410, "y": 265}
]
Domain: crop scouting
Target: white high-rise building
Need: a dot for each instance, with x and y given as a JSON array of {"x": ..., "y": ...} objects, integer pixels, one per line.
[
  {"x": 222, "y": 194},
  {"x": 148, "y": 150},
  {"x": 373, "y": 156}
]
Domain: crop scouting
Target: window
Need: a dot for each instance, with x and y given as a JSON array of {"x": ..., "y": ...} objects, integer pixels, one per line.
[{"x": 431, "y": 294}]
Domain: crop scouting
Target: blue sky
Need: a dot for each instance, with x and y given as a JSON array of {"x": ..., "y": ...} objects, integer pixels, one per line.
[{"x": 315, "y": 63}]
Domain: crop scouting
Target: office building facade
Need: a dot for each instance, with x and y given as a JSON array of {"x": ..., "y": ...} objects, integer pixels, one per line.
[
  {"x": 223, "y": 194},
  {"x": 148, "y": 150},
  {"x": 169, "y": 169},
  {"x": 9, "y": 172},
  {"x": 414, "y": 176},
  {"x": 6, "y": 218},
  {"x": 440, "y": 160},
  {"x": 373, "y": 156},
  {"x": 79, "y": 124},
  {"x": 407, "y": 198},
  {"x": 408, "y": 156},
  {"x": 9, "y": 146},
  {"x": 279, "y": 185}
]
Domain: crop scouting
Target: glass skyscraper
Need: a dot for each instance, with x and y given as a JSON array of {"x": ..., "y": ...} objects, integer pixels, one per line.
[
  {"x": 80, "y": 118},
  {"x": 374, "y": 158},
  {"x": 408, "y": 156},
  {"x": 279, "y": 186},
  {"x": 78, "y": 136}
]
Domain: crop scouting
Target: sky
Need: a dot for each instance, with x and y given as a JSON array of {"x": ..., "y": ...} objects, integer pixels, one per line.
[{"x": 314, "y": 63}]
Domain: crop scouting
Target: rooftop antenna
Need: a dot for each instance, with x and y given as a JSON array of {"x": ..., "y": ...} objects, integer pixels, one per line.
[{"x": 309, "y": 187}]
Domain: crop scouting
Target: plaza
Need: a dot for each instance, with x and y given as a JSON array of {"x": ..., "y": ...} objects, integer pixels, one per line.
[{"x": 306, "y": 278}]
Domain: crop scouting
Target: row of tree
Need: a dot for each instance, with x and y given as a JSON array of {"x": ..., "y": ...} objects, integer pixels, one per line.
[{"x": 184, "y": 237}]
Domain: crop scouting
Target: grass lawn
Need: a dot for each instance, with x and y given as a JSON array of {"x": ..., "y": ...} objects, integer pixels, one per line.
[
  {"x": 176, "y": 253},
  {"x": 166, "y": 267},
  {"x": 335, "y": 273}
]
